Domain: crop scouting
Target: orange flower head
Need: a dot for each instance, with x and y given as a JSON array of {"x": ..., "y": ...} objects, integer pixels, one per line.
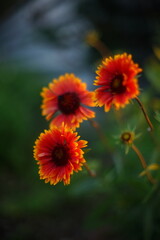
[
  {"x": 67, "y": 96},
  {"x": 117, "y": 81},
  {"x": 59, "y": 153}
]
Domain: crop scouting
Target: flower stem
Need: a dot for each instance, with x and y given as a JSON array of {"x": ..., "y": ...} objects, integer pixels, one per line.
[
  {"x": 145, "y": 113},
  {"x": 101, "y": 48},
  {"x": 143, "y": 163},
  {"x": 101, "y": 134},
  {"x": 91, "y": 173}
]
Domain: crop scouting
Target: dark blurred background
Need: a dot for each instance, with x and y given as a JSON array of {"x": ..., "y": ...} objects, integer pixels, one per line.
[{"x": 39, "y": 40}]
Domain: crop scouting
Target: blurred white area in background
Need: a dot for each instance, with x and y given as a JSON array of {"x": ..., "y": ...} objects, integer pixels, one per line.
[{"x": 22, "y": 45}]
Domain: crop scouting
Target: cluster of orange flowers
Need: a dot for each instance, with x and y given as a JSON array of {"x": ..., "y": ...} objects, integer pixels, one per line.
[{"x": 58, "y": 151}]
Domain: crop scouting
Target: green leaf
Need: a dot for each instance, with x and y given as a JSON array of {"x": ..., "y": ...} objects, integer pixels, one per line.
[
  {"x": 86, "y": 150},
  {"x": 153, "y": 166}
]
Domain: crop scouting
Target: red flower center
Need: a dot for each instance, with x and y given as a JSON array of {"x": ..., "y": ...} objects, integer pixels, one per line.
[
  {"x": 68, "y": 102},
  {"x": 60, "y": 155},
  {"x": 117, "y": 85}
]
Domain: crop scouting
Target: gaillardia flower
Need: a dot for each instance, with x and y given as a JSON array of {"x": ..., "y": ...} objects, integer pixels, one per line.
[
  {"x": 117, "y": 81},
  {"x": 59, "y": 153},
  {"x": 68, "y": 96}
]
